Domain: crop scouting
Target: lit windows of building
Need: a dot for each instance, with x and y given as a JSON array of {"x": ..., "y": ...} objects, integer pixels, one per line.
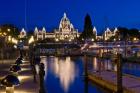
[
  {"x": 22, "y": 33},
  {"x": 65, "y": 32}
]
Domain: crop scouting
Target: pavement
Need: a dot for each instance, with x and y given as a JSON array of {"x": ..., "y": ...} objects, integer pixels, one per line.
[{"x": 27, "y": 84}]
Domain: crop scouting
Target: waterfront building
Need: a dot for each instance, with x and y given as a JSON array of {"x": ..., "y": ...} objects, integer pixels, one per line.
[
  {"x": 95, "y": 32},
  {"x": 23, "y": 33},
  {"x": 108, "y": 33},
  {"x": 65, "y": 32},
  {"x": 39, "y": 34}
]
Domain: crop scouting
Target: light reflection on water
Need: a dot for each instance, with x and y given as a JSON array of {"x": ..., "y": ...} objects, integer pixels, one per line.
[
  {"x": 96, "y": 64},
  {"x": 65, "y": 70},
  {"x": 65, "y": 75},
  {"x": 132, "y": 68},
  {"x": 128, "y": 68}
]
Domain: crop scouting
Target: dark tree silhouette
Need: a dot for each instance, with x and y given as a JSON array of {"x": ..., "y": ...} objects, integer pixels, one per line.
[
  {"x": 134, "y": 33},
  {"x": 88, "y": 29},
  {"x": 14, "y": 31},
  {"x": 128, "y": 34},
  {"x": 124, "y": 35}
]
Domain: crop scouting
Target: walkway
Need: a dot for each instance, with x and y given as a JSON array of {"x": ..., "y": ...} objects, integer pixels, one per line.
[
  {"x": 26, "y": 78},
  {"x": 108, "y": 79}
]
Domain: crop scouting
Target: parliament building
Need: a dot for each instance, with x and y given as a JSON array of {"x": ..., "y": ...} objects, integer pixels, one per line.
[{"x": 65, "y": 32}]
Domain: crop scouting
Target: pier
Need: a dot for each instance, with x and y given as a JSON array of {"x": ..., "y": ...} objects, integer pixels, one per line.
[
  {"x": 115, "y": 81},
  {"x": 108, "y": 80}
]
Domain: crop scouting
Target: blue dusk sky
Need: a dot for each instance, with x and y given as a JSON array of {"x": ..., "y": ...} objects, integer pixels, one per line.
[{"x": 47, "y": 13}]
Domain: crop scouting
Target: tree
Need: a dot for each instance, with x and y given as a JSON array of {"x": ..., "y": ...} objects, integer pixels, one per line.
[
  {"x": 88, "y": 29},
  {"x": 29, "y": 34},
  {"x": 10, "y": 29},
  {"x": 124, "y": 35},
  {"x": 128, "y": 34},
  {"x": 134, "y": 33}
]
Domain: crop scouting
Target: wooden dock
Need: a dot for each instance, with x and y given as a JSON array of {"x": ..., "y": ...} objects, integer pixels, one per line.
[{"x": 108, "y": 80}]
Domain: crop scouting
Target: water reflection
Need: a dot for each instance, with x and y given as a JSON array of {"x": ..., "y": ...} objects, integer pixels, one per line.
[
  {"x": 101, "y": 65},
  {"x": 65, "y": 70},
  {"x": 65, "y": 75},
  {"x": 132, "y": 68},
  {"x": 95, "y": 64},
  {"x": 85, "y": 85},
  {"x": 104, "y": 64}
]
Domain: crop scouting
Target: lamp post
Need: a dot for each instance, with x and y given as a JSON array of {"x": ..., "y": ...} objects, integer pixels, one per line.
[
  {"x": 86, "y": 73},
  {"x": 119, "y": 73},
  {"x": 8, "y": 29},
  {"x": 85, "y": 65},
  {"x": 41, "y": 76}
]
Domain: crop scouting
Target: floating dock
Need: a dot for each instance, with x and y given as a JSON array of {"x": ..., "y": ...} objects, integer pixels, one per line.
[{"x": 108, "y": 80}]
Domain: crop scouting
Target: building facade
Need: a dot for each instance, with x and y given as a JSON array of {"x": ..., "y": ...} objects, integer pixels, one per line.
[
  {"x": 65, "y": 32},
  {"x": 23, "y": 33},
  {"x": 108, "y": 33}
]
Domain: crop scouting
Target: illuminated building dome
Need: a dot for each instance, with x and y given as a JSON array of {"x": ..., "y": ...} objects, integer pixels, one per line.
[{"x": 66, "y": 30}]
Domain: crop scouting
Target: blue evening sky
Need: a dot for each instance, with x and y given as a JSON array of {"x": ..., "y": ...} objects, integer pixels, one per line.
[{"x": 47, "y": 13}]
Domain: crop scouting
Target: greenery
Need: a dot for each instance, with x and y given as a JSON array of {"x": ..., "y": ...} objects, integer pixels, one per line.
[
  {"x": 125, "y": 34},
  {"x": 9, "y": 29},
  {"x": 122, "y": 33},
  {"x": 88, "y": 29}
]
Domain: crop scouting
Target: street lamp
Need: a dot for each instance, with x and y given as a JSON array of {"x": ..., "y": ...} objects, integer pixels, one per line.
[
  {"x": 14, "y": 41},
  {"x": 56, "y": 39},
  {"x": 8, "y": 30},
  {"x": 135, "y": 39},
  {"x": 31, "y": 40},
  {"x": 4, "y": 34},
  {"x": 69, "y": 40},
  {"x": 9, "y": 38}
]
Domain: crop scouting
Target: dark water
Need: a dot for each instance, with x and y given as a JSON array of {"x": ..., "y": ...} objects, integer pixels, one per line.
[
  {"x": 65, "y": 75},
  {"x": 128, "y": 68},
  {"x": 132, "y": 68}
]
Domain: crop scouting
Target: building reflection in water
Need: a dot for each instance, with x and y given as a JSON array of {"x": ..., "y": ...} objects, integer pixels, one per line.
[
  {"x": 65, "y": 70},
  {"x": 115, "y": 67},
  {"x": 95, "y": 64},
  {"x": 98, "y": 64}
]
